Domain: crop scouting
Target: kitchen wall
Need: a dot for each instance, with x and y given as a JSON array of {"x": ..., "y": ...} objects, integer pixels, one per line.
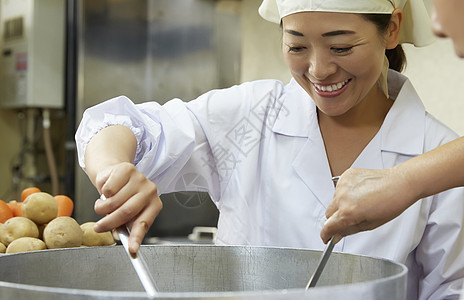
[
  {"x": 10, "y": 146},
  {"x": 437, "y": 74},
  {"x": 9, "y": 135},
  {"x": 261, "y": 46}
]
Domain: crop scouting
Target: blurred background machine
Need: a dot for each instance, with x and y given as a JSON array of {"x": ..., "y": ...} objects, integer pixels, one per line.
[
  {"x": 32, "y": 65},
  {"x": 32, "y": 47},
  {"x": 155, "y": 50},
  {"x": 61, "y": 57}
]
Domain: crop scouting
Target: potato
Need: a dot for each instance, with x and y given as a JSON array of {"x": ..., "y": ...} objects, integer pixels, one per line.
[
  {"x": 62, "y": 232},
  {"x": 2, "y": 248},
  {"x": 16, "y": 228},
  {"x": 92, "y": 238},
  {"x": 40, "y": 207},
  {"x": 25, "y": 244}
]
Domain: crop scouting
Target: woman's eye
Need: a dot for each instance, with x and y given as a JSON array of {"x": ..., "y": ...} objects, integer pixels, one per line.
[
  {"x": 295, "y": 49},
  {"x": 341, "y": 50}
]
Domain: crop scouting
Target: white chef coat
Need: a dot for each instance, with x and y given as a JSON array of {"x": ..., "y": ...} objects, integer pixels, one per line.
[{"x": 257, "y": 149}]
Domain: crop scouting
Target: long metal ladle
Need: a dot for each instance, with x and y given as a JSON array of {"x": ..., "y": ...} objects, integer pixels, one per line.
[
  {"x": 320, "y": 266},
  {"x": 325, "y": 256},
  {"x": 138, "y": 262}
]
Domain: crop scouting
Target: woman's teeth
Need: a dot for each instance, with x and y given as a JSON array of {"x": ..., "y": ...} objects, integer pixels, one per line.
[{"x": 332, "y": 87}]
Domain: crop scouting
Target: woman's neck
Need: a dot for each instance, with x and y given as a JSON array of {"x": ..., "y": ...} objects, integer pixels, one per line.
[
  {"x": 371, "y": 112},
  {"x": 347, "y": 135}
]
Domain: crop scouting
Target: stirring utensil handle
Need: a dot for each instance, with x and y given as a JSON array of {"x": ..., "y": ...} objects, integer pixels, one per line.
[
  {"x": 138, "y": 262},
  {"x": 320, "y": 266},
  {"x": 325, "y": 255}
]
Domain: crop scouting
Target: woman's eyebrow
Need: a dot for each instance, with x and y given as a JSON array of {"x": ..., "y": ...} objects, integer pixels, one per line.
[
  {"x": 337, "y": 32},
  {"x": 327, "y": 34},
  {"x": 293, "y": 32}
]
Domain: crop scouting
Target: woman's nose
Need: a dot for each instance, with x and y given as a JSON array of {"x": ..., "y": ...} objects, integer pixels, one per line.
[
  {"x": 436, "y": 25},
  {"x": 321, "y": 66}
]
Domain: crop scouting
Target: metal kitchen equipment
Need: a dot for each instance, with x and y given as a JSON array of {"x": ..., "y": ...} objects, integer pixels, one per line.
[
  {"x": 320, "y": 266},
  {"x": 325, "y": 255},
  {"x": 138, "y": 262},
  {"x": 32, "y": 47},
  {"x": 141, "y": 49},
  {"x": 198, "y": 272}
]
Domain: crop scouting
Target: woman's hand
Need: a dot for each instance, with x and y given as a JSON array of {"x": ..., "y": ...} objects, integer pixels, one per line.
[
  {"x": 130, "y": 199},
  {"x": 365, "y": 199}
]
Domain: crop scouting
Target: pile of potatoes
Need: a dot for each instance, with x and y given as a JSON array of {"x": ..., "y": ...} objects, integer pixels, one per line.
[{"x": 39, "y": 228}]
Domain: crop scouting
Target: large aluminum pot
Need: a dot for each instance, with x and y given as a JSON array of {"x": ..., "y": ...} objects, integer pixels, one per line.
[{"x": 198, "y": 272}]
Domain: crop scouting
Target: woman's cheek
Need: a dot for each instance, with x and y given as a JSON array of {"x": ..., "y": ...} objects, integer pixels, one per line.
[{"x": 297, "y": 65}]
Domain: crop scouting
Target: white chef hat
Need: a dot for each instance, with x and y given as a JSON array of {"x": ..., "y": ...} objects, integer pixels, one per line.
[{"x": 415, "y": 27}]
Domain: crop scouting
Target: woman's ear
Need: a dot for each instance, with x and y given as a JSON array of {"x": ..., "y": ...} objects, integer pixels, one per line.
[{"x": 393, "y": 31}]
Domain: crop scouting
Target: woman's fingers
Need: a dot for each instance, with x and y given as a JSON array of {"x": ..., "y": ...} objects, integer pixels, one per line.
[
  {"x": 363, "y": 200},
  {"x": 121, "y": 210},
  {"x": 142, "y": 223},
  {"x": 111, "y": 180},
  {"x": 112, "y": 203},
  {"x": 338, "y": 227},
  {"x": 347, "y": 212},
  {"x": 129, "y": 198},
  {"x": 120, "y": 216}
]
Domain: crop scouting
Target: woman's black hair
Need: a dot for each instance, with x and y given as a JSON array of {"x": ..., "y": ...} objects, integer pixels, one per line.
[{"x": 396, "y": 56}]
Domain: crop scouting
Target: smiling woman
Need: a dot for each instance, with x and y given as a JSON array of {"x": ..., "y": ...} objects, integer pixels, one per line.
[
  {"x": 338, "y": 64},
  {"x": 266, "y": 152}
]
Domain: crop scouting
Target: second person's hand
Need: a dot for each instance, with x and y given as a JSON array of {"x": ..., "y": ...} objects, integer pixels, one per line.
[
  {"x": 365, "y": 199},
  {"x": 131, "y": 199}
]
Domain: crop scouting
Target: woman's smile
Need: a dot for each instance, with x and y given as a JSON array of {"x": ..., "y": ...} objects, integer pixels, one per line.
[{"x": 331, "y": 90}]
